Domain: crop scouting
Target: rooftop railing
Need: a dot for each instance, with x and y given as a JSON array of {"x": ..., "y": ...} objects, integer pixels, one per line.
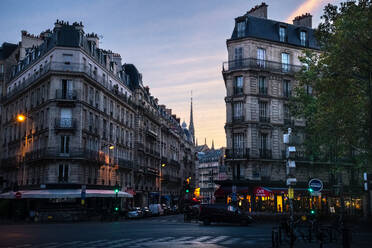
[
  {"x": 253, "y": 63},
  {"x": 237, "y": 153}
]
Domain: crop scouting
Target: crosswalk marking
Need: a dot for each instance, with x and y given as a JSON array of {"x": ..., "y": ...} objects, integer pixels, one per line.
[
  {"x": 162, "y": 239},
  {"x": 202, "y": 238},
  {"x": 217, "y": 239},
  {"x": 231, "y": 241},
  {"x": 182, "y": 239}
]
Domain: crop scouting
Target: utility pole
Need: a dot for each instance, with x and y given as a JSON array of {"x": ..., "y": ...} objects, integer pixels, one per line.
[{"x": 291, "y": 180}]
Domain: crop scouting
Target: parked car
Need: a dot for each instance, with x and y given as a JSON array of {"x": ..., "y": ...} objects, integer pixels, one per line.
[
  {"x": 166, "y": 209},
  {"x": 156, "y": 209},
  {"x": 174, "y": 209},
  {"x": 140, "y": 212},
  {"x": 146, "y": 212},
  {"x": 133, "y": 214},
  {"x": 223, "y": 213}
]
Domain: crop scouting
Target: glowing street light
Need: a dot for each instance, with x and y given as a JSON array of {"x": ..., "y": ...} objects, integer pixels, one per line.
[
  {"x": 162, "y": 165},
  {"x": 111, "y": 147},
  {"x": 21, "y": 118}
]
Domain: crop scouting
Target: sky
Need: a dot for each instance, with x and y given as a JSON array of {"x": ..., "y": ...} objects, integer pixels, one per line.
[{"x": 177, "y": 45}]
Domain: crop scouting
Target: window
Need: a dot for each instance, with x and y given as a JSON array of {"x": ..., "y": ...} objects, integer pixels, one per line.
[
  {"x": 67, "y": 58},
  {"x": 63, "y": 173},
  {"x": 282, "y": 34},
  {"x": 66, "y": 118},
  {"x": 303, "y": 38},
  {"x": 261, "y": 55},
  {"x": 238, "y": 141},
  {"x": 262, "y": 85},
  {"x": 286, "y": 113},
  {"x": 285, "y": 62},
  {"x": 238, "y": 111},
  {"x": 286, "y": 88},
  {"x": 309, "y": 89},
  {"x": 264, "y": 152},
  {"x": 238, "y": 85},
  {"x": 263, "y": 112},
  {"x": 241, "y": 29},
  {"x": 66, "y": 89},
  {"x": 65, "y": 144},
  {"x": 238, "y": 57}
]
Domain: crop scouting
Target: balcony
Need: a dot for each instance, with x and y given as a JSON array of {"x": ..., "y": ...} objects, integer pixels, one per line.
[
  {"x": 237, "y": 119},
  {"x": 265, "y": 154},
  {"x": 257, "y": 64},
  {"x": 238, "y": 91},
  {"x": 60, "y": 67},
  {"x": 151, "y": 133},
  {"x": 264, "y": 119},
  {"x": 65, "y": 124},
  {"x": 66, "y": 95},
  {"x": 125, "y": 164},
  {"x": 75, "y": 153},
  {"x": 171, "y": 179},
  {"x": 262, "y": 91},
  {"x": 11, "y": 162},
  {"x": 237, "y": 153}
]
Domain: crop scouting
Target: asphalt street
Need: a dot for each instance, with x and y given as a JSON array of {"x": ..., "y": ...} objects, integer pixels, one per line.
[
  {"x": 156, "y": 232},
  {"x": 165, "y": 231}
]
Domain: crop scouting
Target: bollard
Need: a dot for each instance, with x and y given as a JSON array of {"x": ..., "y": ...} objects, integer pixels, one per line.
[{"x": 346, "y": 238}]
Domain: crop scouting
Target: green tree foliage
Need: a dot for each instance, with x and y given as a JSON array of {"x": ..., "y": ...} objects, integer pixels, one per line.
[{"x": 339, "y": 112}]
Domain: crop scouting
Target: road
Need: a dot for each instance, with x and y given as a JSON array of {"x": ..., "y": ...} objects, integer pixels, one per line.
[{"x": 165, "y": 231}]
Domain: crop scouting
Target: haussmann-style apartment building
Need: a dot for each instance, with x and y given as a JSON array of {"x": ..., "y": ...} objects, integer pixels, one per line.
[
  {"x": 263, "y": 58},
  {"x": 87, "y": 124}
]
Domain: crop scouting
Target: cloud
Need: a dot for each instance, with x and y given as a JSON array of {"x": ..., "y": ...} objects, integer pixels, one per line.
[{"x": 309, "y": 6}]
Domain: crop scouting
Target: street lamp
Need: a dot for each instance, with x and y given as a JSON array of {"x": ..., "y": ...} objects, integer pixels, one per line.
[{"x": 21, "y": 118}]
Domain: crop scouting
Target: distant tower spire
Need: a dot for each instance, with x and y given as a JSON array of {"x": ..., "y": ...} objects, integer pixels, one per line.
[
  {"x": 196, "y": 141},
  {"x": 191, "y": 125},
  {"x": 212, "y": 144},
  {"x": 205, "y": 141}
]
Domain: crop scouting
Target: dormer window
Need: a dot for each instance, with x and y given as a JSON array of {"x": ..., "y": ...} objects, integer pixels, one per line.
[
  {"x": 303, "y": 38},
  {"x": 241, "y": 29},
  {"x": 282, "y": 34}
]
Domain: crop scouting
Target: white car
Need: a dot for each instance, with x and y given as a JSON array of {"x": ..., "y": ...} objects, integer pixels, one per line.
[{"x": 133, "y": 214}]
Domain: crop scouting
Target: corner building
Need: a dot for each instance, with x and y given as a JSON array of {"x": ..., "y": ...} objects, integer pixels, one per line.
[
  {"x": 263, "y": 57},
  {"x": 86, "y": 123}
]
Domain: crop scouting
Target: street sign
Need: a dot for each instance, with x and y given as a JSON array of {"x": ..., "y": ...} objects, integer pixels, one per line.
[
  {"x": 316, "y": 185},
  {"x": 18, "y": 195},
  {"x": 290, "y": 193}
]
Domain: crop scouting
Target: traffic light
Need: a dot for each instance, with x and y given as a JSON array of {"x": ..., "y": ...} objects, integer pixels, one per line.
[
  {"x": 312, "y": 211},
  {"x": 116, "y": 209},
  {"x": 310, "y": 190},
  {"x": 116, "y": 188}
]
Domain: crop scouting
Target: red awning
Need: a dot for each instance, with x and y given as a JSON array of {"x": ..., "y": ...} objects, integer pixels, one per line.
[{"x": 261, "y": 191}]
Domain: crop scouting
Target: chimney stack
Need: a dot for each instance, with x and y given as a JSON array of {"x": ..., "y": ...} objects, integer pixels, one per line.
[
  {"x": 304, "y": 20},
  {"x": 259, "y": 11}
]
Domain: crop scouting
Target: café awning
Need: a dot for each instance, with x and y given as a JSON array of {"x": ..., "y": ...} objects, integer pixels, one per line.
[{"x": 63, "y": 193}]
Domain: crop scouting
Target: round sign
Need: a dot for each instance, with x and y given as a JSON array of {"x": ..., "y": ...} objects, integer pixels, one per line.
[
  {"x": 18, "y": 195},
  {"x": 316, "y": 184}
]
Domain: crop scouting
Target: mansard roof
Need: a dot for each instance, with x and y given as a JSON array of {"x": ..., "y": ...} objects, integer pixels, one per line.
[
  {"x": 6, "y": 50},
  {"x": 267, "y": 29}
]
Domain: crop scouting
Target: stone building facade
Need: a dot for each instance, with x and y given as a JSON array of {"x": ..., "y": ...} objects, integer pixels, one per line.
[
  {"x": 263, "y": 58},
  {"x": 89, "y": 121}
]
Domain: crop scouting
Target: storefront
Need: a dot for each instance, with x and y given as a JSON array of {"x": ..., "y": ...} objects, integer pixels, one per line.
[{"x": 255, "y": 198}]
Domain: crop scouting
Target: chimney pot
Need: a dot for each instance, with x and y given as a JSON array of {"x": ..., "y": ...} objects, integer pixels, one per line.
[
  {"x": 304, "y": 20},
  {"x": 259, "y": 11}
]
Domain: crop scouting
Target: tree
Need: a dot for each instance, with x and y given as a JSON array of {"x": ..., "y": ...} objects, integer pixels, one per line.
[{"x": 339, "y": 112}]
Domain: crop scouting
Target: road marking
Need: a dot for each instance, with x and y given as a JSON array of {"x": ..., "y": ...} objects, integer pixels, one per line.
[
  {"x": 95, "y": 242},
  {"x": 116, "y": 241},
  {"x": 217, "y": 239},
  {"x": 181, "y": 239},
  {"x": 230, "y": 241},
  {"x": 162, "y": 239},
  {"x": 202, "y": 238}
]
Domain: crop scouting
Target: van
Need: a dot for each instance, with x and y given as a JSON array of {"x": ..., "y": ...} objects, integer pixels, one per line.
[{"x": 156, "y": 209}]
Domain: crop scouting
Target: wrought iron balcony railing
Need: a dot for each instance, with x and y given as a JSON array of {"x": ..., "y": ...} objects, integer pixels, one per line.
[
  {"x": 258, "y": 64},
  {"x": 237, "y": 153},
  {"x": 65, "y": 123},
  {"x": 265, "y": 119},
  {"x": 265, "y": 153},
  {"x": 238, "y": 118},
  {"x": 66, "y": 94}
]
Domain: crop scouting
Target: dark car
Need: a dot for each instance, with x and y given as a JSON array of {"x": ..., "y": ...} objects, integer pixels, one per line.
[
  {"x": 223, "y": 213},
  {"x": 146, "y": 212}
]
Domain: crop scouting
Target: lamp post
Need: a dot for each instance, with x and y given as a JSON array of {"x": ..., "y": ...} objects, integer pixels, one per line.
[
  {"x": 163, "y": 165},
  {"x": 20, "y": 118}
]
